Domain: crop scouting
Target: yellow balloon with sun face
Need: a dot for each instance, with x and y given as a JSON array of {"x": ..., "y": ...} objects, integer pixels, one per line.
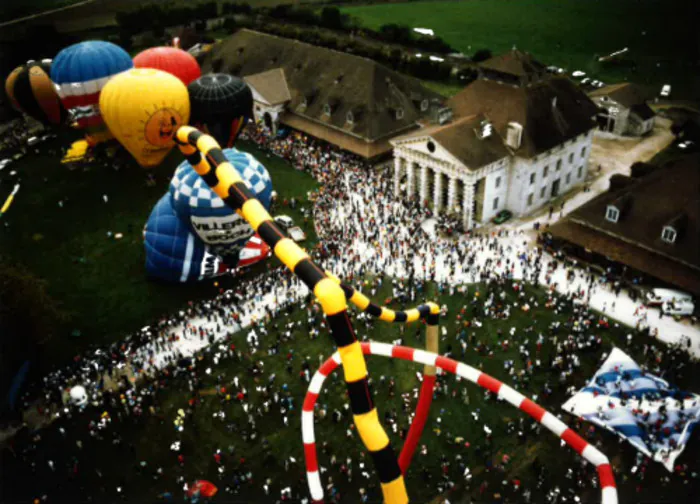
[{"x": 143, "y": 109}]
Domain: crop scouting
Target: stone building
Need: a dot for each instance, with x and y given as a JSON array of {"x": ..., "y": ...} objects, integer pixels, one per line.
[
  {"x": 623, "y": 109},
  {"x": 352, "y": 102},
  {"x": 520, "y": 139}
]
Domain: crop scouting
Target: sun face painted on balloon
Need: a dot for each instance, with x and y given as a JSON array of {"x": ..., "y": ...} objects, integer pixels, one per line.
[{"x": 161, "y": 126}]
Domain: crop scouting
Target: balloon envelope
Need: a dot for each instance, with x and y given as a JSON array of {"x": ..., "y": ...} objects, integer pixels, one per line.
[
  {"x": 31, "y": 91},
  {"x": 80, "y": 72},
  {"x": 144, "y": 108},
  {"x": 173, "y": 253},
  {"x": 254, "y": 251},
  {"x": 175, "y": 61},
  {"x": 221, "y": 105},
  {"x": 207, "y": 215}
]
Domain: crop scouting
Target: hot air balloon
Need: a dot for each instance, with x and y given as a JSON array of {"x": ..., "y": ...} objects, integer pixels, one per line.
[
  {"x": 208, "y": 217},
  {"x": 221, "y": 105},
  {"x": 202, "y": 488},
  {"x": 175, "y": 61},
  {"x": 254, "y": 251},
  {"x": 80, "y": 72},
  {"x": 173, "y": 252},
  {"x": 31, "y": 91},
  {"x": 144, "y": 108}
]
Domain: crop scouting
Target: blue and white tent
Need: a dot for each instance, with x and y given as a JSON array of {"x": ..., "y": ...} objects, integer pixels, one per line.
[{"x": 652, "y": 415}]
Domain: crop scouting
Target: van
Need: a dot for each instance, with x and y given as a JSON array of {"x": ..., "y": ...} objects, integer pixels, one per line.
[
  {"x": 657, "y": 297},
  {"x": 678, "y": 308}
]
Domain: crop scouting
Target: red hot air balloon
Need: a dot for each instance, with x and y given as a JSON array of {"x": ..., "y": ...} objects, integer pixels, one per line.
[
  {"x": 175, "y": 61},
  {"x": 203, "y": 488}
]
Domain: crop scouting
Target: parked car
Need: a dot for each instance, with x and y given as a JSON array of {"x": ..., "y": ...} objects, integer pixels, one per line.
[
  {"x": 657, "y": 297},
  {"x": 678, "y": 308},
  {"x": 578, "y": 73},
  {"x": 586, "y": 80},
  {"x": 686, "y": 145},
  {"x": 666, "y": 90},
  {"x": 502, "y": 216},
  {"x": 284, "y": 221}
]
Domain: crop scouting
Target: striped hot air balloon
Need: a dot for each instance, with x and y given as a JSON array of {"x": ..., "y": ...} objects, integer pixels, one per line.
[
  {"x": 254, "y": 251},
  {"x": 79, "y": 73},
  {"x": 31, "y": 91}
]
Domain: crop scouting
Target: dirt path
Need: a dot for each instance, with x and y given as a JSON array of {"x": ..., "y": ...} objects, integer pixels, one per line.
[{"x": 45, "y": 13}]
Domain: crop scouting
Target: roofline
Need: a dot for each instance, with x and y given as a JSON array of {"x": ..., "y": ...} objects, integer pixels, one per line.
[
  {"x": 587, "y": 224},
  {"x": 349, "y": 133}
]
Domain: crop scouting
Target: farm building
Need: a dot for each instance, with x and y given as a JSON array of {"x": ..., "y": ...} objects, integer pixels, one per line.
[
  {"x": 648, "y": 222},
  {"x": 520, "y": 139},
  {"x": 623, "y": 109},
  {"x": 351, "y": 102}
]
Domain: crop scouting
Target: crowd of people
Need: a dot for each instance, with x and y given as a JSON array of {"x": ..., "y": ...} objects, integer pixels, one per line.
[{"x": 366, "y": 236}]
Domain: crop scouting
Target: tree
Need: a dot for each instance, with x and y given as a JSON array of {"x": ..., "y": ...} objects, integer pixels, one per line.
[
  {"x": 29, "y": 317},
  {"x": 481, "y": 55},
  {"x": 331, "y": 18}
]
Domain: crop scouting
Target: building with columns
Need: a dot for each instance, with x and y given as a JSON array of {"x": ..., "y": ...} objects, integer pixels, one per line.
[{"x": 516, "y": 143}]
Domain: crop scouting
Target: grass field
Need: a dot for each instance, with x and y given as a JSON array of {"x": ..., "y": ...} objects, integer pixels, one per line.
[
  {"x": 149, "y": 438},
  {"x": 101, "y": 281},
  {"x": 661, "y": 35}
]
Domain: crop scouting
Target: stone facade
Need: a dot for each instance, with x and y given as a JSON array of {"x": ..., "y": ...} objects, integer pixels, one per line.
[{"x": 514, "y": 183}]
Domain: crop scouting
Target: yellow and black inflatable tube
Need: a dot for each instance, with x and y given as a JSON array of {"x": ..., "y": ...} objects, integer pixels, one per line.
[{"x": 208, "y": 160}]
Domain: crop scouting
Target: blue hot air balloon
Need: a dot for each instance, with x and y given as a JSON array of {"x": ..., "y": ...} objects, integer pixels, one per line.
[
  {"x": 173, "y": 253},
  {"x": 79, "y": 73},
  {"x": 208, "y": 217}
]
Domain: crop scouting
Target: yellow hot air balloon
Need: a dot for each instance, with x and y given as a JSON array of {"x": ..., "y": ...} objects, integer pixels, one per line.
[{"x": 143, "y": 109}]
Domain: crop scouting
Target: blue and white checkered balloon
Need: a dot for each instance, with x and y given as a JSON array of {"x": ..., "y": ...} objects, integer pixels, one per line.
[{"x": 207, "y": 215}]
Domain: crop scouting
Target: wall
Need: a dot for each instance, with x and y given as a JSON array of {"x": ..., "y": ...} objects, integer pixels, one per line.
[
  {"x": 520, "y": 187},
  {"x": 491, "y": 191}
]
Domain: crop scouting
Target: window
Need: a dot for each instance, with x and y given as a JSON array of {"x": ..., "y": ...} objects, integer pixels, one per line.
[
  {"x": 349, "y": 117},
  {"x": 558, "y": 164},
  {"x": 529, "y": 199},
  {"x": 542, "y": 191},
  {"x": 399, "y": 113},
  {"x": 532, "y": 178},
  {"x": 327, "y": 109},
  {"x": 495, "y": 203},
  {"x": 583, "y": 152},
  {"x": 571, "y": 157},
  {"x": 568, "y": 178},
  {"x": 424, "y": 105},
  {"x": 546, "y": 171},
  {"x": 498, "y": 182},
  {"x": 612, "y": 214},
  {"x": 580, "y": 171},
  {"x": 668, "y": 234}
]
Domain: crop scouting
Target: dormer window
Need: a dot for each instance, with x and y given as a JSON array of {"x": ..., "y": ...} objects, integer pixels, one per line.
[
  {"x": 668, "y": 234},
  {"x": 399, "y": 113},
  {"x": 424, "y": 105},
  {"x": 612, "y": 213},
  {"x": 327, "y": 109},
  {"x": 349, "y": 117}
]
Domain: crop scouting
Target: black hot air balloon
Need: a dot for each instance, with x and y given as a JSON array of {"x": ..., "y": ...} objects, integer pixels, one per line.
[
  {"x": 221, "y": 105},
  {"x": 30, "y": 90}
]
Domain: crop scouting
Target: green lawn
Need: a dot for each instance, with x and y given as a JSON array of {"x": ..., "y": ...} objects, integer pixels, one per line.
[
  {"x": 661, "y": 35},
  {"x": 148, "y": 439},
  {"x": 101, "y": 281}
]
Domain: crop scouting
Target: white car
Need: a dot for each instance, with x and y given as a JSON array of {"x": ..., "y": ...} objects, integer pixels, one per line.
[
  {"x": 578, "y": 73},
  {"x": 4, "y": 163},
  {"x": 678, "y": 308},
  {"x": 585, "y": 80},
  {"x": 666, "y": 90},
  {"x": 683, "y": 145},
  {"x": 285, "y": 221},
  {"x": 33, "y": 141},
  {"x": 657, "y": 297}
]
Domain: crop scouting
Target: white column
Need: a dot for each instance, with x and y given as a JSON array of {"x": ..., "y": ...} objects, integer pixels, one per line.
[
  {"x": 397, "y": 175},
  {"x": 437, "y": 192},
  {"x": 423, "y": 184},
  {"x": 467, "y": 202},
  {"x": 410, "y": 179},
  {"x": 451, "y": 194}
]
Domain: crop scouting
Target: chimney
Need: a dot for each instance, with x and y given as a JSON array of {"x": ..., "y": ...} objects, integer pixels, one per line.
[{"x": 514, "y": 135}]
